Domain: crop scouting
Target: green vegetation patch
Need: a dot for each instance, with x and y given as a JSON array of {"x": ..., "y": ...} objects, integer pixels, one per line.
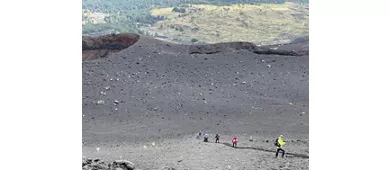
[{"x": 241, "y": 22}]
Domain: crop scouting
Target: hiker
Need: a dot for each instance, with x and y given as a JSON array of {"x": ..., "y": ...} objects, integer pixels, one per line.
[
  {"x": 279, "y": 143},
  {"x": 206, "y": 137},
  {"x": 217, "y": 138},
  {"x": 235, "y": 141},
  {"x": 199, "y": 135}
]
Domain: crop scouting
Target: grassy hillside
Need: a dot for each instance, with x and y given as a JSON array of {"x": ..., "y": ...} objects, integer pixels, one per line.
[
  {"x": 130, "y": 16},
  {"x": 211, "y": 23}
]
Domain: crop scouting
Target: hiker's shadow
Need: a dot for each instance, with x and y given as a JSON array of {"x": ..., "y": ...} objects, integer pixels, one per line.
[{"x": 266, "y": 150}]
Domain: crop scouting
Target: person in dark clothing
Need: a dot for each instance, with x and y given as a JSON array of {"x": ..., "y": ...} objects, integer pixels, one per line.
[
  {"x": 278, "y": 150},
  {"x": 279, "y": 143},
  {"x": 216, "y": 138}
]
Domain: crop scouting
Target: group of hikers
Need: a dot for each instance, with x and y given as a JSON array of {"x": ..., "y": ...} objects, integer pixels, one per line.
[{"x": 278, "y": 142}]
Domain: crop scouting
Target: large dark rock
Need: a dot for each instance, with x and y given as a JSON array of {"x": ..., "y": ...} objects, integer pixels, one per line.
[
  {"x": 122, "y": 165},
  {"x": 97, "y": 164}
]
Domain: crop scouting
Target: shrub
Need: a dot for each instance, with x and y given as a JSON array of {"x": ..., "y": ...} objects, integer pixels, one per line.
[{"x": 181, "y": 10}]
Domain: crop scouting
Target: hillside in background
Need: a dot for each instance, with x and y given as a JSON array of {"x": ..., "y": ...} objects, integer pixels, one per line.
[
  {"x": 213, "y": 24},
  {"x": 145, "y": 17}
]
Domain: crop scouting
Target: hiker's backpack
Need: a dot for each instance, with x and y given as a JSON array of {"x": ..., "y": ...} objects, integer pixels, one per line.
[
  {"x": 235, "y": 140},
  {"x": 276, "y": 143}
]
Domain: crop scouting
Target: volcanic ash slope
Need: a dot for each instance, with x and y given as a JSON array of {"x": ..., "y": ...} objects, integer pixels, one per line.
[{"x": 155, "y": 90}]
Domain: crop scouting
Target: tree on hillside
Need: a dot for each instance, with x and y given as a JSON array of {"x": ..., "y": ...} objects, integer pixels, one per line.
[{"x": 181, "y": 10}]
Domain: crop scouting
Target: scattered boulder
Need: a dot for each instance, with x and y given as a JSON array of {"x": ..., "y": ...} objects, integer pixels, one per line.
[
  {"x": 100, "y": 102},
  {"x": 87, "y": 161},
  {"x": 96, "y": 164},
  {"x": 121, "y": 165}
]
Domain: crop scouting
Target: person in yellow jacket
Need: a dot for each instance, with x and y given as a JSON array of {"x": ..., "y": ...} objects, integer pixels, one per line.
[{"x": 279, "y": 143}]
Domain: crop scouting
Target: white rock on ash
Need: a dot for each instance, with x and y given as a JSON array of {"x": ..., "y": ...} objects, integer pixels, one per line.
[{"x": 100, "y": 102}]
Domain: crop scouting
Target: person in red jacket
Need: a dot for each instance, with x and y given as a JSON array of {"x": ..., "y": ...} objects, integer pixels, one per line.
[{"x": 234, "y": 141}]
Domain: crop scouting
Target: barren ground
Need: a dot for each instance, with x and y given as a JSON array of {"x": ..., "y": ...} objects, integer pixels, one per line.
[{"x": 157, "y": 92}]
